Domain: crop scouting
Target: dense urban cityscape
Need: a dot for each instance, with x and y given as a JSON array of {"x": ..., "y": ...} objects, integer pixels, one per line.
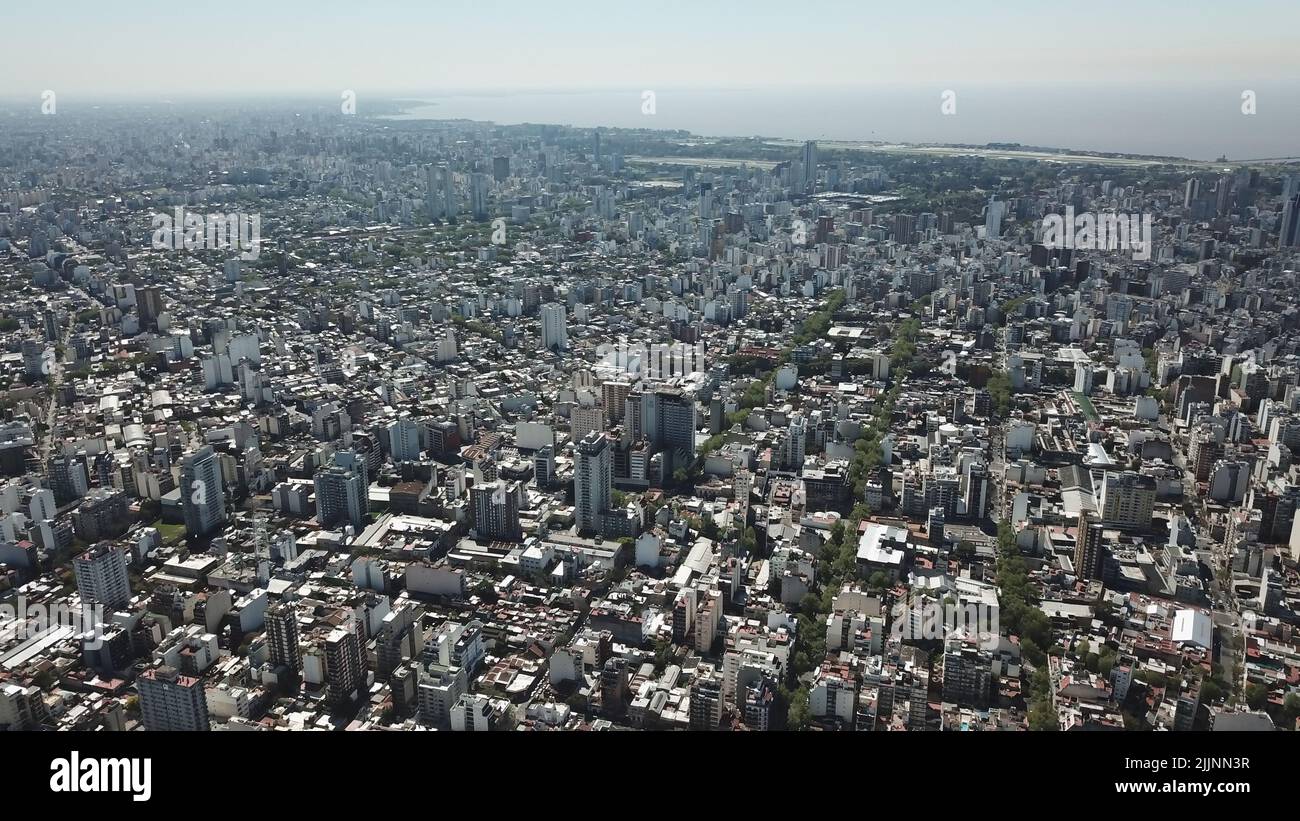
[{"x": 324, "y": 421}]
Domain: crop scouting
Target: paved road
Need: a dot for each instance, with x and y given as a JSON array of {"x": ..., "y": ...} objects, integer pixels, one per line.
[{"x": 56, "y": 374}]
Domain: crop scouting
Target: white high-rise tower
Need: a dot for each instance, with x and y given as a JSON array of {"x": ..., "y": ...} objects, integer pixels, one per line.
[{"x": 555, "y": 330}]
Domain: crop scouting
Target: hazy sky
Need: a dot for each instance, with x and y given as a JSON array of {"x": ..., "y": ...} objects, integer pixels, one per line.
[{"x": 93, "y": 48}]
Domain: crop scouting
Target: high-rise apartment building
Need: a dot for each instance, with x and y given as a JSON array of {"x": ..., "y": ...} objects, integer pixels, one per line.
[
  {"x": 668, "y": 422},
  {"x": 404, "y": 440},
  {"x": 593, "y": 478},
  {"x": 496, "y": 511},
  {"x": 283, "y": 638},
  {"x": 1288, "y": 230},
  {"x": 1089, "y": 547},
  {"x": 1127, "y": 499},
  {"x": 344, "y": 674},
  {"x": 170, "y": 701},
  {"x": 203, "y": 498},
  {"x": 68, "y": 478},
  {"x": 555, "y": 333},
  {"x": 101, "y": 576},
  {"x": 341, "y": 492}
]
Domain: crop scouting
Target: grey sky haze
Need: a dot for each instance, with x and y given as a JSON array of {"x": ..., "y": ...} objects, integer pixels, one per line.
[{"x": 143, "y": 49}]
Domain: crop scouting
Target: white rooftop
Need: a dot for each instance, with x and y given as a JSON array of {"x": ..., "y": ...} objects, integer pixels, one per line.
[
  {"x": 1193, "y": 627},
  {"x": 875, "y": 544}
]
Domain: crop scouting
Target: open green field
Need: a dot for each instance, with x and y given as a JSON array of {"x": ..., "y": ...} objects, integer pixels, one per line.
[
  {"x": 169, "y": 532},
  {"x": 1085, "y": 404}
]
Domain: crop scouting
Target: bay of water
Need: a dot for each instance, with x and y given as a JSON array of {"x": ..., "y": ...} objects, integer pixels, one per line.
[{"x": 1202, "y": 124}]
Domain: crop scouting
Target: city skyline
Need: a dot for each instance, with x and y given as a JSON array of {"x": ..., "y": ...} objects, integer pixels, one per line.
[{"x": 605, "y": 372}]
